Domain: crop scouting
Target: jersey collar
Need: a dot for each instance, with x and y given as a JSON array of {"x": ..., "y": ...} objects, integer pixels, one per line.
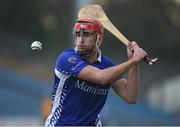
[{"x": 99, "y": 57}]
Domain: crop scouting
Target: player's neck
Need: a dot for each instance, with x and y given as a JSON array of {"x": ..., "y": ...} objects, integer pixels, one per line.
[{"x": 92, "y": 57}]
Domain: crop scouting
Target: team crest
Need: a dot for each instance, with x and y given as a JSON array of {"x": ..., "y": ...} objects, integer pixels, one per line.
[{"x": 72, "y": 59}]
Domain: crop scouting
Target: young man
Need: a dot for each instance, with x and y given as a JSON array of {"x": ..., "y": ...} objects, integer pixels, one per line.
[{"x": 83, "y": 77}]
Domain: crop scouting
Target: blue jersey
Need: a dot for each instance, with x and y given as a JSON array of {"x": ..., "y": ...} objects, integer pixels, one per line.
[{"x": 75, "y": 101}]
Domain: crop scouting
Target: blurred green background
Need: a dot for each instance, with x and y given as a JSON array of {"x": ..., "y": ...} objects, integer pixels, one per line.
[{"x": 26, "y": 78}]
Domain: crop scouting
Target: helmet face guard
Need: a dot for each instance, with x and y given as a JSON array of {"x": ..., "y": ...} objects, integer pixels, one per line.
[
  {"x": 89, "y": 24},
  {"x": 94, "y": 25}
]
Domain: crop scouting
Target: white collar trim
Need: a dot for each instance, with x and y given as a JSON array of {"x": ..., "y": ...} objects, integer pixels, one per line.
[{"x": 99, "y": 57}]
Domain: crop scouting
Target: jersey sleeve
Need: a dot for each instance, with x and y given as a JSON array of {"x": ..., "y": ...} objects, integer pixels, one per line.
[{"x": 70, "y": 63}]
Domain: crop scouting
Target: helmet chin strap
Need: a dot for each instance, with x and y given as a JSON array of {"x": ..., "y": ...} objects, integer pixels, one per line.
[{"x": 97, "y": 42}]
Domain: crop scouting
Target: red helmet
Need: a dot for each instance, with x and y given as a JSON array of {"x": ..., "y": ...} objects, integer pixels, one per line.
[{"x": 89, "y": 24}]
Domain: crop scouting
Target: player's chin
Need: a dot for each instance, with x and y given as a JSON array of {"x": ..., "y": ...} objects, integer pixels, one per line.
[
  {"x": 83, "y": 52},
  {"x": 82, "y": 49}
]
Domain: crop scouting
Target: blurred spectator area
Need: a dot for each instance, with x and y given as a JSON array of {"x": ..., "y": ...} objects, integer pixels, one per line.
[{"x": 22, "y": 98}]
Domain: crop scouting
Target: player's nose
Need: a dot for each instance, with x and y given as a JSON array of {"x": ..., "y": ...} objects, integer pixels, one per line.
[{"x": 81, "y": 39}]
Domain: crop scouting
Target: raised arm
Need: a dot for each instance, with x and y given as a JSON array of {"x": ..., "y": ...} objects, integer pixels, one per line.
[
  {"x": 128, "y": 88},
  {"x": 107, "y": 75},
  {"x": 111, "y": 74}
]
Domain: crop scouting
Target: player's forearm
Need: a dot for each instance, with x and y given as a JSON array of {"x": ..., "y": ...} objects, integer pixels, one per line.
[
  {"x": 112, "y": 74},
  {"x": 133, "y": 83}
]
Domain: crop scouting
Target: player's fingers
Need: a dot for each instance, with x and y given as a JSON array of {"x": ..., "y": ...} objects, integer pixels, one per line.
[
  {"x": 129, "y": 47},
  {"x": 142, "y": 52},
  {"x": 134, "y": 44}
]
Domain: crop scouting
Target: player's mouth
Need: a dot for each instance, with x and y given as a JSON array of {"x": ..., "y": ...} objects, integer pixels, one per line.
[{"x": 82, "y": 47}]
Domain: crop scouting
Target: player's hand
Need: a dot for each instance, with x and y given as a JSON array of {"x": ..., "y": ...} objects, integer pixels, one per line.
[
  {"x": 130, "y": 49},
  {"x": 138, "y": 54}
]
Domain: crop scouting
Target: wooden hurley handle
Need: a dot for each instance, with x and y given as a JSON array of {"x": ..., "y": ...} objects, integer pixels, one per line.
[{"x": 97, "y": 12}]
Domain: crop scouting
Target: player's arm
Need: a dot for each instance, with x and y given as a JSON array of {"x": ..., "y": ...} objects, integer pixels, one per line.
[
  {"x": 111, "y": 74},
  {"x": 128, "y": 88},
  {"x": 104, "y": 76}
]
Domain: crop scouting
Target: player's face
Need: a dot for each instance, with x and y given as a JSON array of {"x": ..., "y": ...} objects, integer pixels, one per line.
[{"x": 85, "y": 41}]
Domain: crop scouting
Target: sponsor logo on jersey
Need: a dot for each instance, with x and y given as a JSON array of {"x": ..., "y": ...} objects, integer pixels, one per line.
[{"x": 90, "y": 89}]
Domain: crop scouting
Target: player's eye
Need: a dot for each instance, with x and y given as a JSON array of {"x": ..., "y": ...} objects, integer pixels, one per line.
[
  {"x": 87, "y": 34},
  {"x": 84, "y": 33},
  {"x": 78, "y": 33}
]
